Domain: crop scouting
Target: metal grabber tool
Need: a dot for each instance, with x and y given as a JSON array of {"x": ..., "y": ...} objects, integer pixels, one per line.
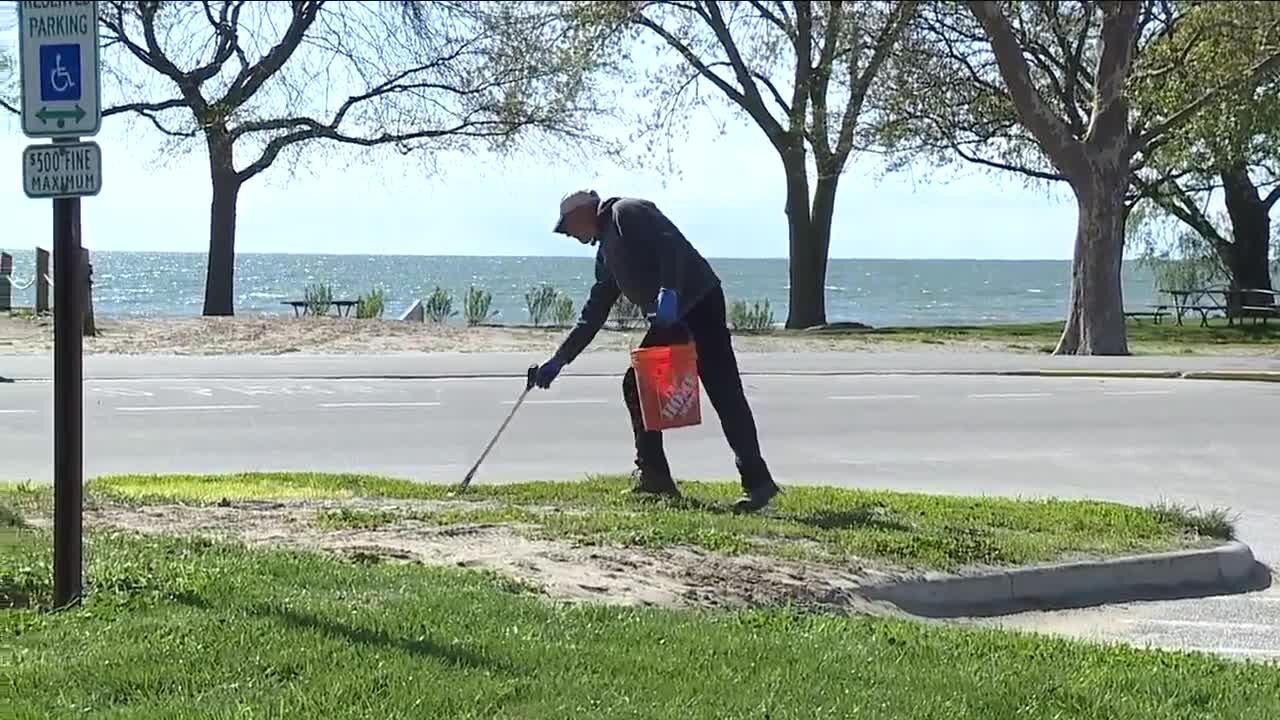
[{"x": 529, "y": 381}]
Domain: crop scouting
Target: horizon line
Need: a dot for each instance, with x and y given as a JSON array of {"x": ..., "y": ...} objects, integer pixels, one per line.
[{"x": 286, "y": 253}]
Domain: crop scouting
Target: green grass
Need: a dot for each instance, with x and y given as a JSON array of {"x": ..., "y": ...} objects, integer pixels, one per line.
[
  {"x": 1144, "y": 337},
  {"x": 183, "y": 629},
  {"x": 914, "y": 530}
]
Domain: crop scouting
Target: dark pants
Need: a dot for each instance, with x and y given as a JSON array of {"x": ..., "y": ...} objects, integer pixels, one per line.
[{"x": 718, "y": 370}]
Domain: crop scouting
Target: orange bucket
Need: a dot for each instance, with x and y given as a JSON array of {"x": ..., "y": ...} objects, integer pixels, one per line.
[{"x": 667, "y": 379}]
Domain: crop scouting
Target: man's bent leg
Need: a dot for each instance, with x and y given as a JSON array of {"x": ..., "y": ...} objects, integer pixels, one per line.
[
  {"x": 651, "y": 459},
  {"x": 718, "y": 368}
]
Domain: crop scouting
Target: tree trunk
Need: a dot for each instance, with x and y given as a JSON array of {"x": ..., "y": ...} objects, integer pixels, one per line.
[
  {"x": 219, "y": 286},
  {"x": 1248, "y": 257},
  {"x": 1095, "y": 318},
  {"x": 808, "y": 243}
]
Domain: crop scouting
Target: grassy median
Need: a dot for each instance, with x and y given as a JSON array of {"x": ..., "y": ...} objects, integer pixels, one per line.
[
  {"x": 194, "y": 629},
  {"x": 823, "y": 523},
  {"x": 1145, "y": 337}
]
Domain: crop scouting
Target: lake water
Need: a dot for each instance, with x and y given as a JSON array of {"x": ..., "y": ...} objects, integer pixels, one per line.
[{"x": 877, "y": 292}]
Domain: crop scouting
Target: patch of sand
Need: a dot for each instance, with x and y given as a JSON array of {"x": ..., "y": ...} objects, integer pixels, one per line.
[
  {"x": 670, "y": 577},
  {"x": 276, "y": 335}
]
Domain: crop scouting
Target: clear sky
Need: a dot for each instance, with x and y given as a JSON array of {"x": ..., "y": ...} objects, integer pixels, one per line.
[{"x": 728, "y": 200}]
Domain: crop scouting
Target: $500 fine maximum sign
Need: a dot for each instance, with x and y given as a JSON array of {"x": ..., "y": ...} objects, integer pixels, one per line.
[{"x": 62, "y": 170}]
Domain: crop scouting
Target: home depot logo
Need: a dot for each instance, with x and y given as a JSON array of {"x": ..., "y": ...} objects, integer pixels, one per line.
[{"x": 681, "y": 398}]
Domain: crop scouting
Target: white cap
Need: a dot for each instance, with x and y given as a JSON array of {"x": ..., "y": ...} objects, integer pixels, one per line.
[{"x": 575, "y": 201}]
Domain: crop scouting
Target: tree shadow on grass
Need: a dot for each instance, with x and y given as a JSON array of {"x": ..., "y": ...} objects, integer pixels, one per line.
[
  {"x": 420, "y": 647},
  {"x": 859, "y": 517},
  {"x": 864, "y": 518}
]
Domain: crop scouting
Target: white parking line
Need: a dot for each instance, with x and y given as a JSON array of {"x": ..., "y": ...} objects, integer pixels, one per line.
[
  {"x": 378, "y": 404},
  {"x": 873, "y": 397},
  {"x": 1007, "y": 396},
  {"x": 185, "y": 408},
  {"x": 16, "y": 412}
]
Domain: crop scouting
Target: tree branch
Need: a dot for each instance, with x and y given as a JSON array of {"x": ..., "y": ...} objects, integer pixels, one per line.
[
  {"x": 251, "y": 78},
  {"x": 1272, "y": 198},
  {"x": 116, "y": 27},
  {"x": 1177, "y": 203},
  {"x": 149, "y": 110},
  {"x": 889, "y": 35},
  {"x": 173, "y": 104},
  {"x": 310, "y": 129},
  {"x": 715, "y": 19},
  {"x": 772, "y": 18},
  {"x": 765, "y": 120},
  {"x": 1115, "y": 60},
  {"x": 226, "y": 26},
  {"x": 1064, "y": 149},
  {"x": 819, "y": 76},
  {"x": 1038, "y": 174},
  {"x": 1182, "y": 116}
]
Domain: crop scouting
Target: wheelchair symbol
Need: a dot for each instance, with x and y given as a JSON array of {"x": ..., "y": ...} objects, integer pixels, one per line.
[{"x": 59, "y": 79}]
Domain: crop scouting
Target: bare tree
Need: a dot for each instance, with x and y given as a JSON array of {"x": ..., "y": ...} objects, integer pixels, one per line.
[
  {"x": 257, "y": 80},
  {"x": 801, "y": 71},
  {"x": 1044, "y": 89}
]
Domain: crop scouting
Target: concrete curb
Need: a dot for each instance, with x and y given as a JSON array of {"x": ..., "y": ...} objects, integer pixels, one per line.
[
  {"x": 1272, "y": 376},
  {"x": 1239, "y": 375},
  {"x": 1224, "y": 569}
]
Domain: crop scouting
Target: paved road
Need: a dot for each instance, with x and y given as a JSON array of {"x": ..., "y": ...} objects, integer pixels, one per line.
[
  {"x": 1128, "y": 440},
  {"x": 933, "y": 360}
]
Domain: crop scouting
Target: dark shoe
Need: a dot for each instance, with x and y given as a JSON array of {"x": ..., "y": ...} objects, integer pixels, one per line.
[
  {"x": 755, "y": 498},
  {"x": 653, "y": 483}
]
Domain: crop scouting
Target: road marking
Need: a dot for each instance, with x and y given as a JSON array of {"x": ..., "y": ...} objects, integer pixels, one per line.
[
  {"x": 378, "y": 404},
  {"x": 558, "y": 402},
  {"x": 873, "y": 397},
  {"x": 1006, "y": 396},
  {"x": 1137, "y": 392},
  {"x": 123, "y": 392},
  {"x": 185, "y": 408},
  {"x": 1206, "y": 624},
  {"x": 16, "y": 412}
]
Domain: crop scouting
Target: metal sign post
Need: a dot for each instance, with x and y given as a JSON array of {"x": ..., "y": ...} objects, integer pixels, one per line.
[{"x": 61, "y": 89}]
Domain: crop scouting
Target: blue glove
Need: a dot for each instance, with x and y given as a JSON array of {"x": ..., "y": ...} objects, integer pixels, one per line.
[
  {"x": 547, "y": 372},
  {"x": 668, "y": 313}
]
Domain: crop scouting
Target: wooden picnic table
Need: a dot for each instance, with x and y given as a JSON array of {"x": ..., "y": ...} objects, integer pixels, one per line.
[
  {"x": 1204, "y": 301},
  {"x": 1198, "y": 300},
  {"x": 1244, "y": 303},
  {"x": 303, "y": 307}
]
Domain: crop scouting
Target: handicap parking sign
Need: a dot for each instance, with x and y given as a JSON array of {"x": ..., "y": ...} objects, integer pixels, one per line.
[{"x": 60, "y": 73}]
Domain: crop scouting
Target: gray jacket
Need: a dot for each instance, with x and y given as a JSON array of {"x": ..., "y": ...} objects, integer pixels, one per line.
[{"x": 640, "y": 252}]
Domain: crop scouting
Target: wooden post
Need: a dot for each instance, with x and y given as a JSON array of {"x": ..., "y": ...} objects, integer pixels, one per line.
[
  {"x": 42, "y": 281},
  {"x": 6, "y": 274},
  {"x": 90, "y": 326}
]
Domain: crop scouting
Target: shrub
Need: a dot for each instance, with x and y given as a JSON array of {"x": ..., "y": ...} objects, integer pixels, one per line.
[
  {"x": 626, "y": 314},
  {"x": 540, "y": 301},
  {"x": 562, "y": 310},
  {"x": 318, "y": 298},
  {"x": 438, "y": 307},
  {"x": 476, "y": 306},
  {"x": 371, "y": 305},
  {"x": 757, "y": 316}
]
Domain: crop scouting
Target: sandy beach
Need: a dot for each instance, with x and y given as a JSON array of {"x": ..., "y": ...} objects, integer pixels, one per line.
[{"x": 276, "y": 335}]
